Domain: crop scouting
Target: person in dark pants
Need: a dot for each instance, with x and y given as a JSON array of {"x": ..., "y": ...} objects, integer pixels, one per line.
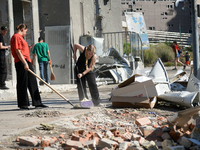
[
  {"x": 25, "y": 80},
  {"x": 3, "y": 65},
  {"x": 85, "y": 65}
]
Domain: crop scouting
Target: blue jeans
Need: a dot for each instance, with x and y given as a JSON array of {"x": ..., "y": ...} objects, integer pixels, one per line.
[{"x": 44, "y": 70}]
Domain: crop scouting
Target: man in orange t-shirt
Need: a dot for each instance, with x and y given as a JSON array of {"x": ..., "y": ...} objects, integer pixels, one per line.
[{"x": 25, "y": 80}]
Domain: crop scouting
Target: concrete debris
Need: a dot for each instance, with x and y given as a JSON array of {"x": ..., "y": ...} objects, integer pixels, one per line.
[
  {"x": 102, "y": 130},
  {"x": 182, "y": 117},
  {"x": 43, "y": 114}
]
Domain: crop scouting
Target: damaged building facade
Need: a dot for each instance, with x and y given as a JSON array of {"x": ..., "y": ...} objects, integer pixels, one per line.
[{"x": 59, "y": 23}]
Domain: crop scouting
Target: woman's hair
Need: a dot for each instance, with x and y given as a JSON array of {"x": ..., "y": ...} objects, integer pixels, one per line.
[
  {"x": 21, "y": 26},
  {"x": 91, "y": 48},
  {"x": 175, "y": 42}
]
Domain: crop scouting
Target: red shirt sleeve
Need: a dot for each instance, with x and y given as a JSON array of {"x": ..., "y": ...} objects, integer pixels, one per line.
[{"x": 176, "y": 48}]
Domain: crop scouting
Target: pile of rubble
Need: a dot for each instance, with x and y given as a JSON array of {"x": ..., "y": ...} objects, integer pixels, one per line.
[
  {"x": 43, "y": 114},
  {"x": 122, "y": 129}
]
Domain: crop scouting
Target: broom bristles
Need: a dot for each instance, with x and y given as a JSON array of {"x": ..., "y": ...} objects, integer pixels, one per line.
[
  {"x": 87, "y": 104},
  {"x": 53, "y": 77}
]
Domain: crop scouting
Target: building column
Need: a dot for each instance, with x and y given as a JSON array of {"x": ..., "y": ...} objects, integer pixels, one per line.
[
  {"x": 36, "y": 27},
  {"x": 11, "y": 32}
]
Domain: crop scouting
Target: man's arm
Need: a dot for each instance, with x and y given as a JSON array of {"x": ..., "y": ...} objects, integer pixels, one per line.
[
  {"x": 33, "y": 58},
  {"x": 3, "y": 47},
  {"x": 50, "y": 62}
]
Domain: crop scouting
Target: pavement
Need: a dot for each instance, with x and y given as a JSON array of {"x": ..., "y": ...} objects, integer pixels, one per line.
[{"x": 14, "y": 121}]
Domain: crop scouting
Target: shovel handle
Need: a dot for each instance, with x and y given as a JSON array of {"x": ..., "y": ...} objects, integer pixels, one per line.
[{"x": 50, "y": 87}]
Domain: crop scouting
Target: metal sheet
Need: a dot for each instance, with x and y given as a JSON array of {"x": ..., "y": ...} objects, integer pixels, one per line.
[
  {"x": 117, "y": 57},
  {"x": 162, "y": 88},
  {"x": 179, "y": 76},
  {"x": 184, "y": 98},
  {"x": 193, "y": 84},
  {"x": 158, "y": 73},
  {"x": 120, "y": 74}
]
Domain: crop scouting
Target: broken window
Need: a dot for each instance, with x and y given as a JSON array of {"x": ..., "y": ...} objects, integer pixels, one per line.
[
  {"x": 138, "y": 8},
  {"x": 169, "y": 6},
  {"x": 170, "y": 25},
  {"x": 164, "y": 13},
  {"x": 151, "y": 28}
]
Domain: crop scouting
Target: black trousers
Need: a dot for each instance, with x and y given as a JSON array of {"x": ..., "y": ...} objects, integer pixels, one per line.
[
  {"x": 91, "y": 80},
  {"x": 25, "y": 80},
  {"x": 3, "y": 71}
]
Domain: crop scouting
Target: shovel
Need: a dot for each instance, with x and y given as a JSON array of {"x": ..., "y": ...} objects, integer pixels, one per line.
[
  {"x": 74, "y": 106},
  {"x": 85, "y": 102}
]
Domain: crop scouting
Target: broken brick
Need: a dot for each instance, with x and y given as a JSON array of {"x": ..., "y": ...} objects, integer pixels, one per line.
[
  {"x": 70, "y": 143},
  {"x": 62, "y": 136},
  {"x": 45, "y": 143},
  {"x": 107, "y": 143},
  {"x": 143, "y": 121},
  {"x": 90, "y": 144},
  {"x": 135, "y": 137},
  {"x": 166, "y": 136},
  {"x": 175, "y": 135},
  {"x": 118, "y": 140},
  {"x": 78, "y": 132},
  {"x": 159, "y": 132},
  {"x": 89, "y": 135},
  {"x": 116, "y": 133},
  {"x": 109, "y": 134},
  {"x": 29, "y": 141},
  {"x": 127, "y": 136},
  {"x": 147, "y": 130}
]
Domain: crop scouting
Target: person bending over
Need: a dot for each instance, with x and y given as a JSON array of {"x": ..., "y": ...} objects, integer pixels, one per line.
[{"x": 85, "y": 65}]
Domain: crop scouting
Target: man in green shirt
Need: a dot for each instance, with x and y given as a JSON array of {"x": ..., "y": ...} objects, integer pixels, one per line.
[{"x": 41, "y": 49}]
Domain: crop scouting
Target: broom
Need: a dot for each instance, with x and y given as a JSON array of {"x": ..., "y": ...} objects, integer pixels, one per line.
[
  {"x": 74, "y": 106},
  {"x": 53, "y": 77},
  {"x": 85, "y": 102}
]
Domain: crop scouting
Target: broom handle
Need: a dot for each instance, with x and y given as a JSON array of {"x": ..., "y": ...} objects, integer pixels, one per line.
[
  {"x": 51, "y": 68},
  {"x": 50, "y": 87},
  {"x": 81, "y": 83},
  {"x": 78, "y": 72}
]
